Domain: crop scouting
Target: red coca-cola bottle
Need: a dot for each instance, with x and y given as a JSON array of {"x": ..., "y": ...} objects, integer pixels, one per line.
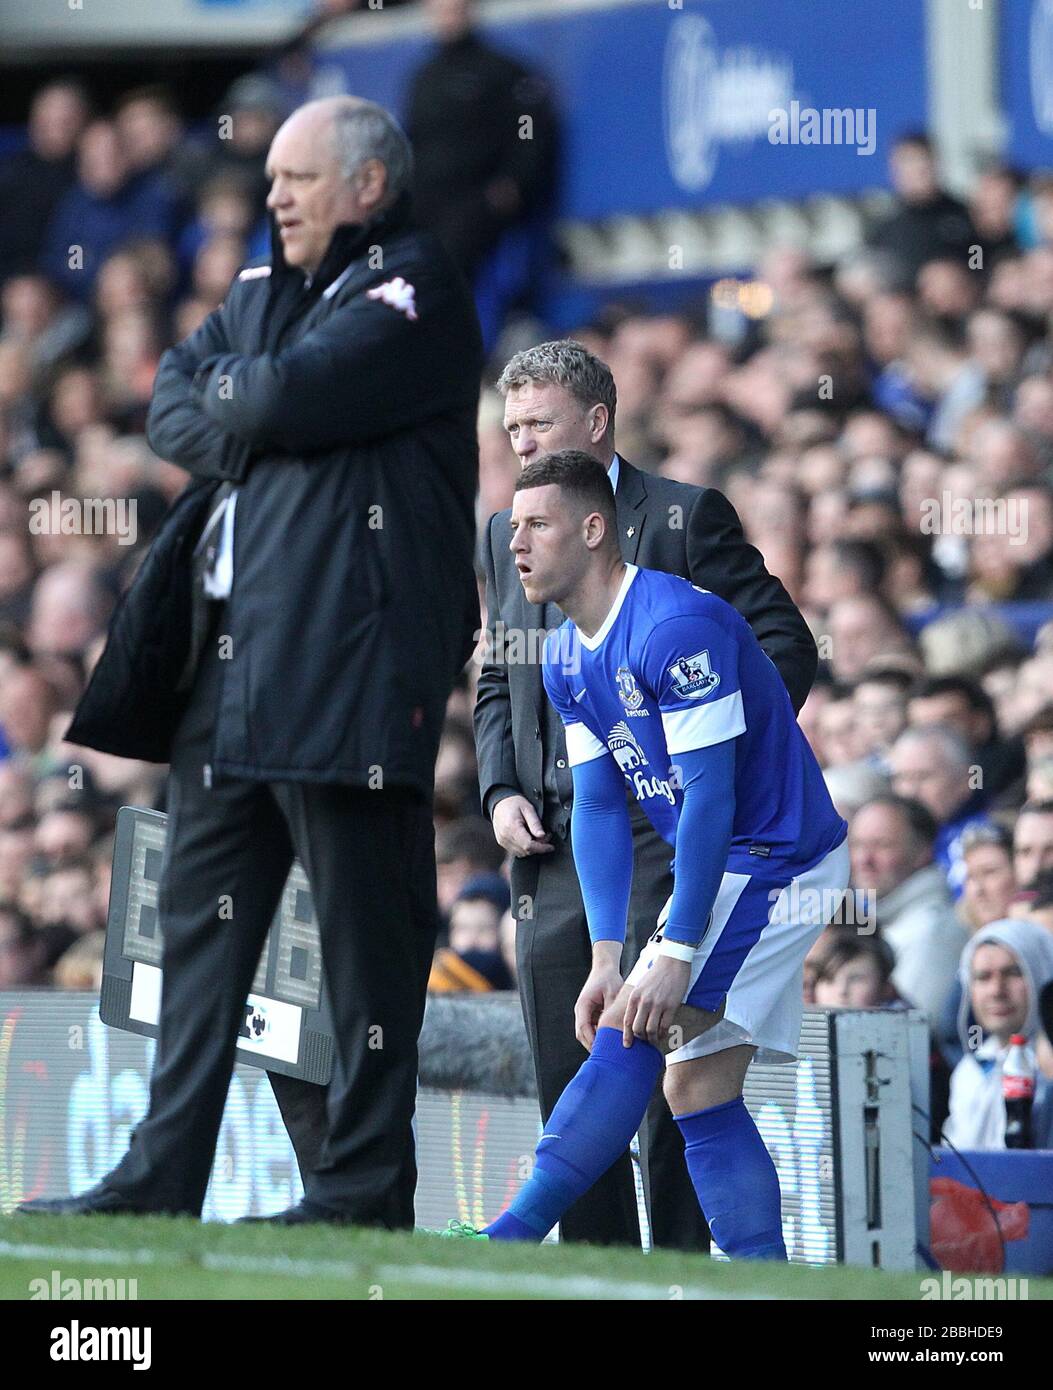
[{"x": 1018, "y": 1088}]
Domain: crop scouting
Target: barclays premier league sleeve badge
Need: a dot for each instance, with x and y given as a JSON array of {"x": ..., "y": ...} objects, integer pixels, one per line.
[{"x": 693, "y": 677}]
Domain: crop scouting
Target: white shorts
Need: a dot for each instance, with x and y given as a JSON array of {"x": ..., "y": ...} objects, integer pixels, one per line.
[{"x": 752, "y": 958}]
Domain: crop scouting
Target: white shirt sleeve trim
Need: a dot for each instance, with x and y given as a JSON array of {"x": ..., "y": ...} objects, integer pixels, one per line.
[
  {"x": 582, "y": 745},
  {"x": 704, "y": 725}
]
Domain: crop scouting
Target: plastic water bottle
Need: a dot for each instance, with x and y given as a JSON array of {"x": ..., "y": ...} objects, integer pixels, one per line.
[{"x": 1018, "y": 1088}]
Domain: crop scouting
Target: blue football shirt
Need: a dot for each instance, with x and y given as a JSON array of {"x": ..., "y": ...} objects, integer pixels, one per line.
[{"x": 675, "y": 668}]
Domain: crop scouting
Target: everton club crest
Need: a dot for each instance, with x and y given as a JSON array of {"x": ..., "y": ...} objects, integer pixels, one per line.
[
  {"x": 693, "y": 678},
  {"x": 629, "y": 692}
]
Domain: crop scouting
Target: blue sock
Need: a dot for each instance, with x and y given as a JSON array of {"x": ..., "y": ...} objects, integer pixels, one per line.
[
  {"x": 593, "y": 1122},
  {"x": 735, "y": 1181}
]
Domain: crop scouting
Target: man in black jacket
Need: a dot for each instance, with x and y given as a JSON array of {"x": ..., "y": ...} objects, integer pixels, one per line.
[
  {"x": 558, "y": 396},
  {"x": 33, "y": 180},
  {"x": 289, "y": 645},
  {"x": 927, "y": 223},
  {"x": 484, "y": 134}
]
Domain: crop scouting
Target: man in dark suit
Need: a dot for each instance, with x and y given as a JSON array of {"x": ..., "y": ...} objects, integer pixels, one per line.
[{"x": 559, "y": 396}]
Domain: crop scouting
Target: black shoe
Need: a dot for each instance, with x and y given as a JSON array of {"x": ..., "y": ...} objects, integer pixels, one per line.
[
  {"x": 97, "y": 1201},
  {"x": 303, "y": 1214}
]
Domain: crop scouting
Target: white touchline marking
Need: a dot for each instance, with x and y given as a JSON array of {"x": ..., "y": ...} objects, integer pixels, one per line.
[
  {"x": 16, "y": 1250},
  {"x": 579, "y": 1285},
  {"x": 250, "y": 1264}
]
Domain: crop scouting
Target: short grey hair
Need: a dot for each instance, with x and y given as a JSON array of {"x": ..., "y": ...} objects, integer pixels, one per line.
[
  {"x": 852, "y": 785},
  {"x": 364, "y": 130},
  {"x": 955, "y": 749},
  {"x": 567, "y": 364}
]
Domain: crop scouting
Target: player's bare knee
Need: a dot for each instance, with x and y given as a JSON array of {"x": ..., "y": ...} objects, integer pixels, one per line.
[
  {"x": 678, "y": 1087},
  {"x": 706, "y": 1081},
  {"x": 691, "y": 1086}
]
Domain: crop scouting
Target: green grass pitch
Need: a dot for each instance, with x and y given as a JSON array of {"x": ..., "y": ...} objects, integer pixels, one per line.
[{"x": 179, "y": 1258}]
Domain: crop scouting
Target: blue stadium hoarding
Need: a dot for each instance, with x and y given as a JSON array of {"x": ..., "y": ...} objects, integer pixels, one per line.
[
  {"x": 669, "y": 106},
  {"x": 1026, "y": 67},
  {"x": 48, "y": 28}
]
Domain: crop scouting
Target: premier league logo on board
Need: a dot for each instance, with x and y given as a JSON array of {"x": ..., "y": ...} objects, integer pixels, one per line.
[
  {"x": 693, "y": 678},
  {"x": 627, "y": 752},
  {"x": 254, "y": 1023},
  {"x": 629, "y": 692}
]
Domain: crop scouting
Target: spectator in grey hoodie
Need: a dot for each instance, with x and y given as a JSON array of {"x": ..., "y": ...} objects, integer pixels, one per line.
[{"x": 1004, "y": 968}]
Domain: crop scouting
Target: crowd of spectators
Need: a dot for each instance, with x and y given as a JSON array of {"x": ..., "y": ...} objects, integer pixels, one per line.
[
  {"x": 118, "y": 235},
  {"x": 884, "y": 430}
]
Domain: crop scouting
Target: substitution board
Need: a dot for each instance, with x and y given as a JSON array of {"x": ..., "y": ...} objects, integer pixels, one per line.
[{"x": 287, "y": 1026}]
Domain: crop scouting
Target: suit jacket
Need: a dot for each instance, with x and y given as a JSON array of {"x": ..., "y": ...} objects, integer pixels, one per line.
[{"x": 690, "y": 531}]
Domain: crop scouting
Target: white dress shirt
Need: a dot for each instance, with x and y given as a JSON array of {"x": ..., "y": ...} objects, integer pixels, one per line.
[{"x": 613, "y": 472}]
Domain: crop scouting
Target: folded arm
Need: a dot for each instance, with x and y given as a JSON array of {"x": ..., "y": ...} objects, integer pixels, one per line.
[
  {"x": 374, "y": 367},
  {"x": 176, "y": 426}
]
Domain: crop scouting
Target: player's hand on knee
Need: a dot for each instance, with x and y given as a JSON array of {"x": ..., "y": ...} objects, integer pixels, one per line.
[
  {"x": 652, "y": 1006},
  {"x": 598, "y": 994}
]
